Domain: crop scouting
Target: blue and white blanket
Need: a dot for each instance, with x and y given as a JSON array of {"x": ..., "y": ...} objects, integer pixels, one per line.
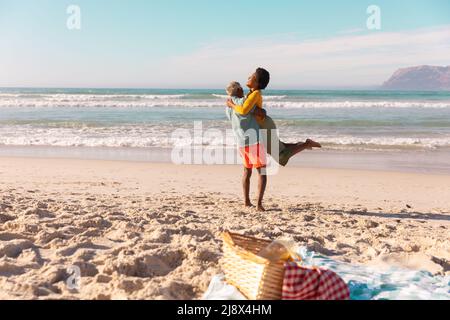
[{"x": 365, "y": 283}]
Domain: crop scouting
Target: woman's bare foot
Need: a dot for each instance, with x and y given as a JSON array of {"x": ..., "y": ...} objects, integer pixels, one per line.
[
  {"x": 305, "y": 145},
  {"x": 312, "y": 144},
  {"x": 260, "y": 208},
  {"x": 248, "y": 204}
]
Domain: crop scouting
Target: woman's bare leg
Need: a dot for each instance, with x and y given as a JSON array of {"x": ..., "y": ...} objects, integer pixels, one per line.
[
  {"x": 302, "y": 146},
  {"x": 313, "y": 144}
]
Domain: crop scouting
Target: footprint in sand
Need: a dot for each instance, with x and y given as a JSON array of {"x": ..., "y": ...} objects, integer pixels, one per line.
[
  {"x": 87, "y": 269},
  {"x": 344, "y": 246},
  {"x": 177, "y": 291},
  {"x": 40, "y": 213},
  {"x": 5, "y": 206},
  {"x": 44, "y": 237},
  {"x": 8, "y": 236},
  {"x": 371, "y": 224},
  {"x": 68, "y": 251},
  {"x": 8, "y": 269},
  {"x": 14, "y": 248},
  {"x": 308, "y": 218},
  {"x": 147, "y": 264},
  {"x": 103, "y": 278},
  {"x": 202, "y": 235}
]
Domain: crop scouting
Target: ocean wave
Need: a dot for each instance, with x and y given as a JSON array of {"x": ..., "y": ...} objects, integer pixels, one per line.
[
  {"x": 109, "y": 104},
  {"x": 85, "y": 137},
  {"x": 90, "y": 97},
  {"x": 192, "y": 101},
  {"x": 160, "y": 136},
  {"x": 266, "y": 97},
  {"x": 383, "y": 142},
  {"x": 357, "y": 104}
]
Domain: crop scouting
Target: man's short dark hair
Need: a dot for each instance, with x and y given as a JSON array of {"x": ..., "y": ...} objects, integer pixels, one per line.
[{"x": 263, "y": 78}]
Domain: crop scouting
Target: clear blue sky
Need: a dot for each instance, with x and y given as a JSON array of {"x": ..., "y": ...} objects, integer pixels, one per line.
[{"x": 176, "y": 43}]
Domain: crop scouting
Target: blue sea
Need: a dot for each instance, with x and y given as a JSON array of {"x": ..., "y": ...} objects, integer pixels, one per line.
[{"x": 144, "y": 118}]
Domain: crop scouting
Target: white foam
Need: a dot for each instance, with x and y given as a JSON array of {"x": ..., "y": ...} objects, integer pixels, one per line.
[
  {"x": 356, "y": 104},
  {"x": 383, "y": 141},
  {"x": 266, "y": 97},
  {"x": 190, "y": 101},
  {"x": 160, "y": 136},
  {"x": 91, "y": 97}
]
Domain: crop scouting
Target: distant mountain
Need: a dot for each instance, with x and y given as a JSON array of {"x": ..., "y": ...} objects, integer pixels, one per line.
[{"x": 420, "y": 78}]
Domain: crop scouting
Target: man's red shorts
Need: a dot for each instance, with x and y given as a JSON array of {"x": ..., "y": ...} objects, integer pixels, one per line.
[{"x": 254, "y": 157}]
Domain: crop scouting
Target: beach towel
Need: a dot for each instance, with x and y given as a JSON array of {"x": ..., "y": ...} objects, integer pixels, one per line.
[
  {"x": 364, "y": 282},
  {"x": 302, "y": 283}
]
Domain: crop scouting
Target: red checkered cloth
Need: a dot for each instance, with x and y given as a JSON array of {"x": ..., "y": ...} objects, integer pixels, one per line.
[{"x": 302, "y": 283}]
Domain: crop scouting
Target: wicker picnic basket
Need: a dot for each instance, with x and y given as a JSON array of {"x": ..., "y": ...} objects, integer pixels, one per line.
[{"x": 255, "y": 277}]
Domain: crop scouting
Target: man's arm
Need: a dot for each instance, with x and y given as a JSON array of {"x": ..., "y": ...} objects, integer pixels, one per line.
[{"x": 228, "y": 113}]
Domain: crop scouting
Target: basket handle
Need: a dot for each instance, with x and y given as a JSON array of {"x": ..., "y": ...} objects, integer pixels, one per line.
[{"x": 297, "y": 258}]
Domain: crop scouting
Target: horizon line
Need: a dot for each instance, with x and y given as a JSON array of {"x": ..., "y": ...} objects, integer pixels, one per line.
[
  {"x": 187, "y": 88},
  {"x": 362, "y": 88}
]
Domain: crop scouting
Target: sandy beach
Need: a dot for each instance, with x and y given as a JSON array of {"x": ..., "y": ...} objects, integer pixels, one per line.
[
  {"x": 144, "y": 230},
  {"x": 125, "y": 133}
]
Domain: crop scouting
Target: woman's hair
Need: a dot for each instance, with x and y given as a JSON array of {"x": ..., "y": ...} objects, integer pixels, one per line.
[
  {"x": 263, "y": 78},
  {"x": 233, "y": 87}
]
